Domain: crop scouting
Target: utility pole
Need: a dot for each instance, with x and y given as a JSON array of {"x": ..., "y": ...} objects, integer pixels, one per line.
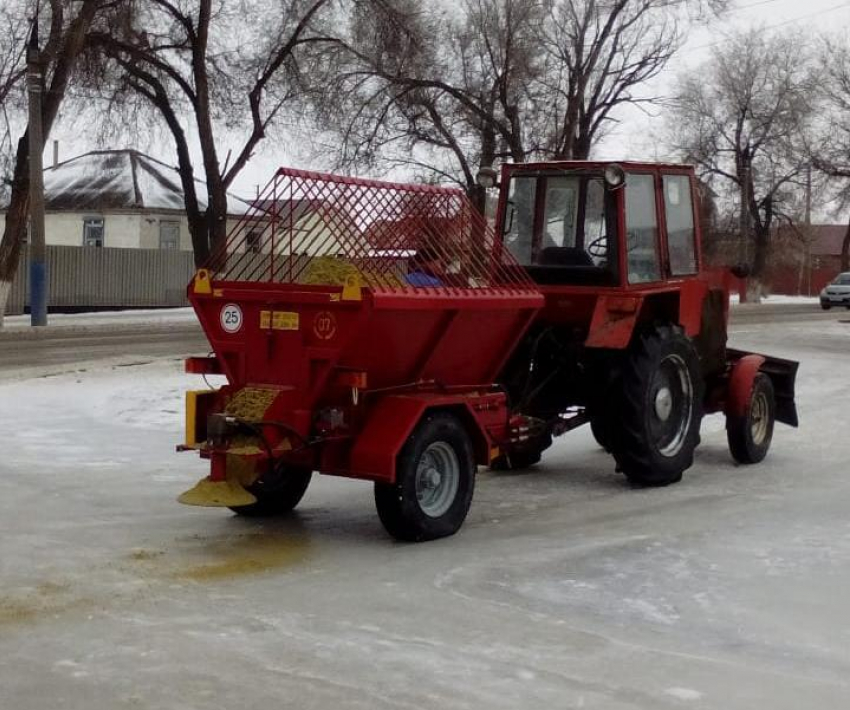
[
  {"x": 37, "y": 252},
  {"x": 809, "y": 229}
]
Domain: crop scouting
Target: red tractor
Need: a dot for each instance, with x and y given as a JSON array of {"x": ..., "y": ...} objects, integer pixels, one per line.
[{"x": 387, "y": 332}]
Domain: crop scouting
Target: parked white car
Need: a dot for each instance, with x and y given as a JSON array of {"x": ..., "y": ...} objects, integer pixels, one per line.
[{"x": 836, "y": 293}]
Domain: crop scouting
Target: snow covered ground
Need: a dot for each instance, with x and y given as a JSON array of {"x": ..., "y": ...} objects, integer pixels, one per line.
[
  {"x": 565, "y": 589},
  {"x": 146, "y": 317},
  {"x": 778, "y": 298}
]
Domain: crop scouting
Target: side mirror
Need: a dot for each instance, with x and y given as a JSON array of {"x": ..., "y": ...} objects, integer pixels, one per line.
[{"x": 742, "y": 271}]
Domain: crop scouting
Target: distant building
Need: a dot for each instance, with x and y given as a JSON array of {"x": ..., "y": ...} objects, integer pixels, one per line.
[
  {"x": 805, "y": 259},
  {"x": 826, "y": 245},
  {"x": 119, "y": 198}
]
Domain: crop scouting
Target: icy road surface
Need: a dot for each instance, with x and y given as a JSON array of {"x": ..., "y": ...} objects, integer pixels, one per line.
[{"x": 565, "y": 589}]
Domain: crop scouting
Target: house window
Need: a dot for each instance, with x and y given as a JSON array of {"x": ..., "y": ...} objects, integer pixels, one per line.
[
  {"x": 252, "y": 241},
  {"x": 93, "y": 232},
  {"x": 169, "y": 234}
]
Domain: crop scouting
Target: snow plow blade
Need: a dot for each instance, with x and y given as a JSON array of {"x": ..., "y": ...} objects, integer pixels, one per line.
[{"x": 217, "y": 494}]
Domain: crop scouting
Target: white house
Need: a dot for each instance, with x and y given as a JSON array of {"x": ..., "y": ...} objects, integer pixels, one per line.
[{"x": 119, "y": 198}]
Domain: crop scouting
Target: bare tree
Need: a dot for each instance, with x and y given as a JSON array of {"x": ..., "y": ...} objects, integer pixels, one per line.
[
  {"x": 205, "y": 61},
  {"x": 742, "y": 118},
  {"x": 13, "y": 37},
  {"x": 69, "y": 23},
  {"x": 437, "y": 93},
  {"x": 831, "y": 154},
  {"x": 598, "y": 56},
  {"x": 515, "y": 79}
]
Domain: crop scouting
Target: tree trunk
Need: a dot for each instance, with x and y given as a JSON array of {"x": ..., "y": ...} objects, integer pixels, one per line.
[
  {"x": 845, "y": 250},
  {"x": 17, "y": 214},
  {"x": 16, "y": 223}
]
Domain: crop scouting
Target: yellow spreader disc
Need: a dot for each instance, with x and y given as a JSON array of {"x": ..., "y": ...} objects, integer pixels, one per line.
[{"x": 217, "y": 494}]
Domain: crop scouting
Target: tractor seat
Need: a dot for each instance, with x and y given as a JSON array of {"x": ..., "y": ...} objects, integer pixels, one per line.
[{"x": 564, "y": 256}]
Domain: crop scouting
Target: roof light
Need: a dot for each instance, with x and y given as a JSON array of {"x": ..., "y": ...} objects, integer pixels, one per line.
[{"x": 615, "y": 176}]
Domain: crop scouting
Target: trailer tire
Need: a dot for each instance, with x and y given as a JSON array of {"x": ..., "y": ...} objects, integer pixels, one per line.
[
  {"x": 656, "y": 428},
  {"x": 749, "y": 436},
  {"x": 277, "y": 496},
  {"x": 435, "y": 478}
]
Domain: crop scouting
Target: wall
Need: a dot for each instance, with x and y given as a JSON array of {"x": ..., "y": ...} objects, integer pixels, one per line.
[
  {"x": 66, "y": 228},
  {"x": 121, "y": 230},
  {"x": 790, "y": 282},
  {"x": 108, "y": 278}
]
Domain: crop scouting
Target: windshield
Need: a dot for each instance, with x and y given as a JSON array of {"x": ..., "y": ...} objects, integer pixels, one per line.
[
  {"x": 560, "y": 221},
  {"x": 842, "y": 280}
]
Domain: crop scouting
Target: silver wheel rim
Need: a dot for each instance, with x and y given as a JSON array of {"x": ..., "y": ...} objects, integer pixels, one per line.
[
  {"x": 759, "y": 418},
  {"x": 437, "y": 479},
  {"x": 671, "y": 405}
]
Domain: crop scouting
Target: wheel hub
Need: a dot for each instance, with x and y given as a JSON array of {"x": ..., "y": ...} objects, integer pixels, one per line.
[
  {"x": 671, "y": 405},
  {"x": 431, "y": 478},
  {"x": 437, "y": 479},
  {"x": 663, "y": 403}
]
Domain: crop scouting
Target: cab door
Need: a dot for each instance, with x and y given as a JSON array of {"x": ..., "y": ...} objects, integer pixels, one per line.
[{"x": 681, "y": 250}]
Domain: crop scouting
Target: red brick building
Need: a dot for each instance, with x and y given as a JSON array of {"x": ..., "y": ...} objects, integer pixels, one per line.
[{"x": 804, "y": 262}]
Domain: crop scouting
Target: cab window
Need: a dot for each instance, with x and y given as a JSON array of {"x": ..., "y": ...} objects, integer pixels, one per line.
[
  {"x": 519, "y": 218},
  {"x": 563, "y": 227},
  {"x": 679, "y": 212},
  {"x": 641, "y": 229}
]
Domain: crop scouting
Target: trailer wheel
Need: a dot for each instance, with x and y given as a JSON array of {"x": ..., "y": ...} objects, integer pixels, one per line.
[
  {"x": 749, "y": 436},
  {"x": 657, "y": 425},
  {"x": 435, "y": 477},
  {"x": 277, "y": 494}
]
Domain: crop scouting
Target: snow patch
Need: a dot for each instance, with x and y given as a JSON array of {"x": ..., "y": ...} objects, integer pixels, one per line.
[{"x": 160, "y": 316}]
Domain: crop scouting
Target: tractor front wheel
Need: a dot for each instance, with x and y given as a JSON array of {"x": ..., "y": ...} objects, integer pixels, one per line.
[
  {"x": 656, "y": 428},
  {"x": 749, "y": 436},
  {"x": 277, "y": 493},
  {"x": 435, "y": 478}
]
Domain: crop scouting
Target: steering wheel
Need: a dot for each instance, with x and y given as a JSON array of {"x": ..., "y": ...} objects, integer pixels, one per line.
[{"x": 598, "y": 247}]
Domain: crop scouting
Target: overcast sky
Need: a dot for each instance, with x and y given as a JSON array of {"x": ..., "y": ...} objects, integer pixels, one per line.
[{"x": 638, "y": 135}]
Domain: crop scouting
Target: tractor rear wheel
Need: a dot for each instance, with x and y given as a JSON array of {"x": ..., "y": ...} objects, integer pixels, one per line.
[
  {"x": 601, "y": 429},
  {"x": 435, "y": 478},
  {"x": 278, "y": 493},
  {"x": 749, "y": 436},
  {"x": 656, "y": 427}
]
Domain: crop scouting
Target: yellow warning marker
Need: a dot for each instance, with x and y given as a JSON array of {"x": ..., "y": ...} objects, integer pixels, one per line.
[
  {"x": 351, "y": 289},
  {"x": 202, "y": 282}
]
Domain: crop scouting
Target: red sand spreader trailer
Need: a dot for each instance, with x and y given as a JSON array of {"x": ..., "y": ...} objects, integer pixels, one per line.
[{"x": 386, "y": 332}]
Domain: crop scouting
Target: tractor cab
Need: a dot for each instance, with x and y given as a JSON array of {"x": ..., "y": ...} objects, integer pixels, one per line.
[{"x": 600, "y": 224}]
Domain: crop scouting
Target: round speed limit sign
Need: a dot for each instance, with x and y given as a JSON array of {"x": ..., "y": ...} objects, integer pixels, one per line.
[{"x": 231, "y": 318}]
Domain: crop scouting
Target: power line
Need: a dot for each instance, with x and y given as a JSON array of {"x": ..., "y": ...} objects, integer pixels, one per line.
[{"x": 808, "y": 16}]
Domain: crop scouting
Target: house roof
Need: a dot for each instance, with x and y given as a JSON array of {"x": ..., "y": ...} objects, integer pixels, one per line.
[{"x": 119, "y": 180}]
